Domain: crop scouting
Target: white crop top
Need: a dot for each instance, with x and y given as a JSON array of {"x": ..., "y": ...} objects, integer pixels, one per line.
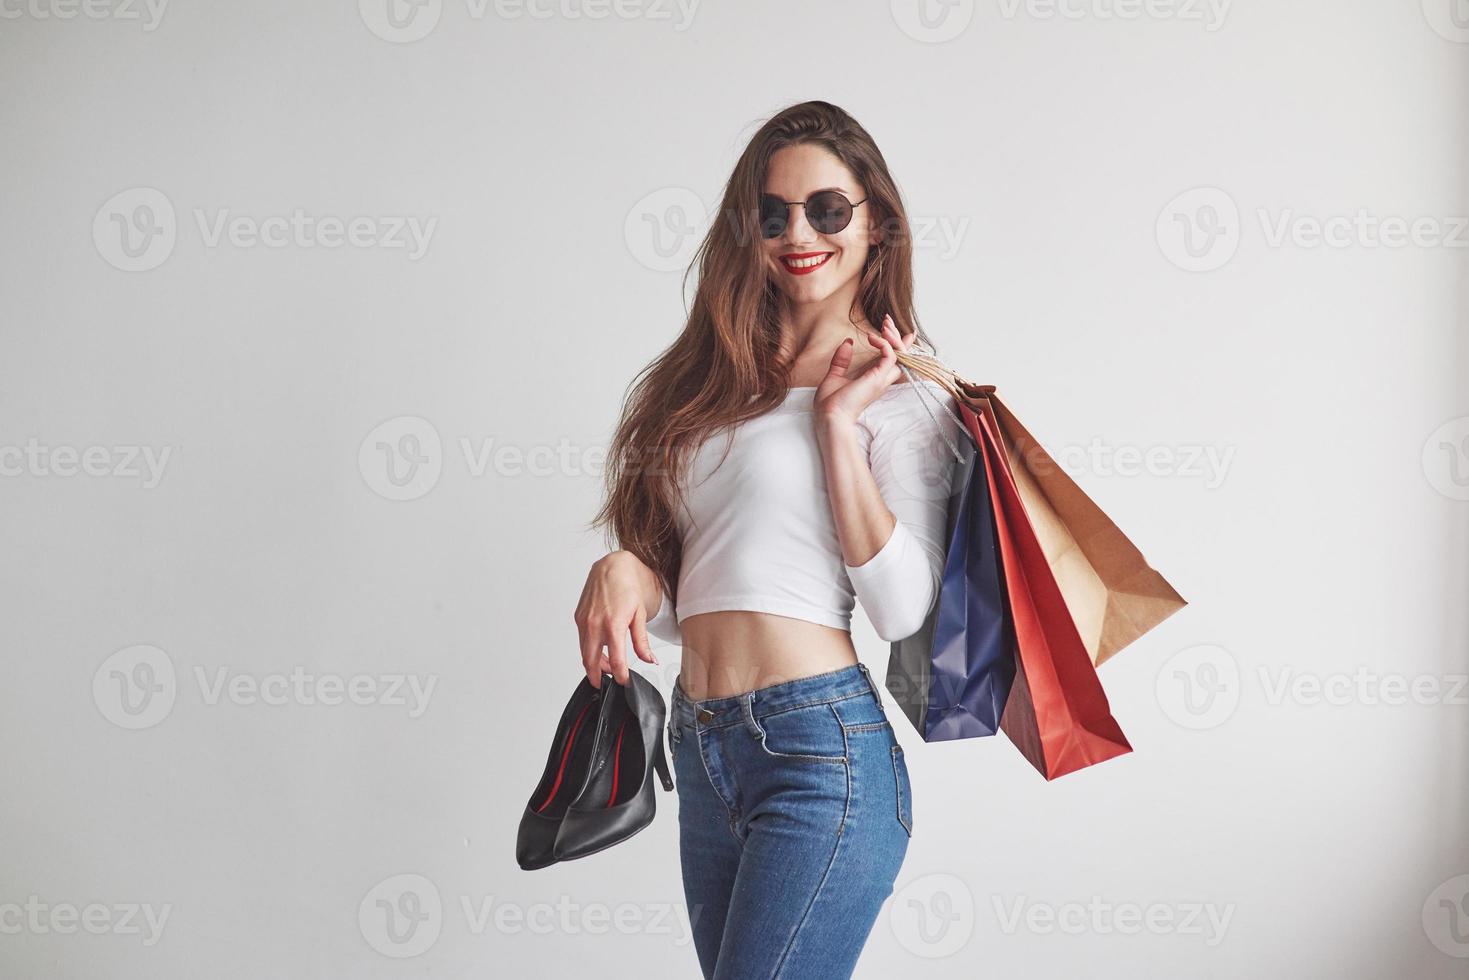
[{"x": 758, "y": 532}]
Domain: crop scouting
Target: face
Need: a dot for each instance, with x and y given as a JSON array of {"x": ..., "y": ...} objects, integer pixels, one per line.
[{"x": 807, "y": 264}]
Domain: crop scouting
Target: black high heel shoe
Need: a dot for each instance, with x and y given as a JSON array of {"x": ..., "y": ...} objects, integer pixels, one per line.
[
  {"x": 618, "y": 799},
  {"x": 570, "y": 760}
]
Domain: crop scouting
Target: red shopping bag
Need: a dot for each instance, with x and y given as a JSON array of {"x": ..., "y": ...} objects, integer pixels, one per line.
[{"x": 1057, "y": 713}]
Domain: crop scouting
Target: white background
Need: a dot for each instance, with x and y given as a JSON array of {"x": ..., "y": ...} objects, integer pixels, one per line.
[{"x": 559, "y": 161}]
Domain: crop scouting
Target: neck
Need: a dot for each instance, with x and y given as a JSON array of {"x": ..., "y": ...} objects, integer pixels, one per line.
[{"x": 819, "y": 327}]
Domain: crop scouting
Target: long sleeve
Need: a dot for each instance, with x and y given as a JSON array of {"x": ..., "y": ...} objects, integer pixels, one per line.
[
  {"x": 913, "y": 468},
  {"x": 664, "y": 625}
]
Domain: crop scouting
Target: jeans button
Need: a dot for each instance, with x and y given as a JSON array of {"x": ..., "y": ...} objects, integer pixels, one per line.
[{"x": 705, "y": 715}]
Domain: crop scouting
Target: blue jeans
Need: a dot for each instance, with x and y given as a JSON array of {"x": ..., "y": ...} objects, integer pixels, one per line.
[{"x": 794, "y": 812}]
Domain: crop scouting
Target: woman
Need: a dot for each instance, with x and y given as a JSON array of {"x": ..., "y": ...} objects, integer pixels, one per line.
[{"x": 811, "y": 474}]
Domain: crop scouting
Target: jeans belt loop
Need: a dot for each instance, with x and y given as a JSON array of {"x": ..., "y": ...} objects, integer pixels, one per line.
[
  {"x": 871, "y": 682},
  {"x": 747, "y": 706}
]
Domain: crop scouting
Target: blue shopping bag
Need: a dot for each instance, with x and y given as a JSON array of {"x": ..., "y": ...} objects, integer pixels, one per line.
[{"x": 953, "y": 676}]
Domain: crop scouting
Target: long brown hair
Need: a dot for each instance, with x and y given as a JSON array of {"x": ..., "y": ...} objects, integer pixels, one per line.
[{"x": 726, "y": 366}]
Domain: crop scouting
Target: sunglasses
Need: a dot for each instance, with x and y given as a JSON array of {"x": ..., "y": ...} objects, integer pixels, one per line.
[{"x": 826, "y": 211}]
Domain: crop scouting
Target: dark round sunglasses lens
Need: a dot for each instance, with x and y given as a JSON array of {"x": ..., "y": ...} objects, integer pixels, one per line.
[
  {"x": 829, "y": 212},
  {"x": 772, "y": 216}
]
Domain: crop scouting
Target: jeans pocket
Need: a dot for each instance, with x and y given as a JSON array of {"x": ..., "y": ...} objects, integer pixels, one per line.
[
  {"x": 812, "y": 733},
  {"x": 905, "y": 789}
]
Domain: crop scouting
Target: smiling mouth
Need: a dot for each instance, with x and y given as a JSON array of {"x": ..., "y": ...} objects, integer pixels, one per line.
[{"x": 805, "y": 263}]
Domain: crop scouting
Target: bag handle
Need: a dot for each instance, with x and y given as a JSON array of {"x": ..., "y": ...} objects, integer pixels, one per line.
[{"x": 950, "y": 382}]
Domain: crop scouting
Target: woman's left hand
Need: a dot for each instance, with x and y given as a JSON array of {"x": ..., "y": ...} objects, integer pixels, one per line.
[{"x": 841, "y": 396}]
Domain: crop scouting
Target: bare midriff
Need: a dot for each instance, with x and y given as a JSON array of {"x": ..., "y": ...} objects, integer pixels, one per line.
[{"x": 735, "y": 651}]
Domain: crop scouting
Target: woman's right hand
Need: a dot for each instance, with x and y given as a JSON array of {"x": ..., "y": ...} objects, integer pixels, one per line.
[{"x": 613, "y": 602}]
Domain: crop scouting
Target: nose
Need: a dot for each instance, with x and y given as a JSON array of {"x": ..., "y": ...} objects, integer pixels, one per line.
[{"x": 798, "y": 229}]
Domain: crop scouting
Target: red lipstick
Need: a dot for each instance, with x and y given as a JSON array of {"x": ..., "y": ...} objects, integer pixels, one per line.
[{"x": 805, "y": 266}]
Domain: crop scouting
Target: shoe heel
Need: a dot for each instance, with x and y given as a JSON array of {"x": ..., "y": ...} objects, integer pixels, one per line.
[{"x": 660, "y": 764}]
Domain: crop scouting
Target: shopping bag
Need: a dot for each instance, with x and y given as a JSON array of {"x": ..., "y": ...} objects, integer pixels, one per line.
[
  {"x": 1114, "y": 595},
  {"x": 1057, "y": 714},
  {"x": 952, "y": 678}
]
